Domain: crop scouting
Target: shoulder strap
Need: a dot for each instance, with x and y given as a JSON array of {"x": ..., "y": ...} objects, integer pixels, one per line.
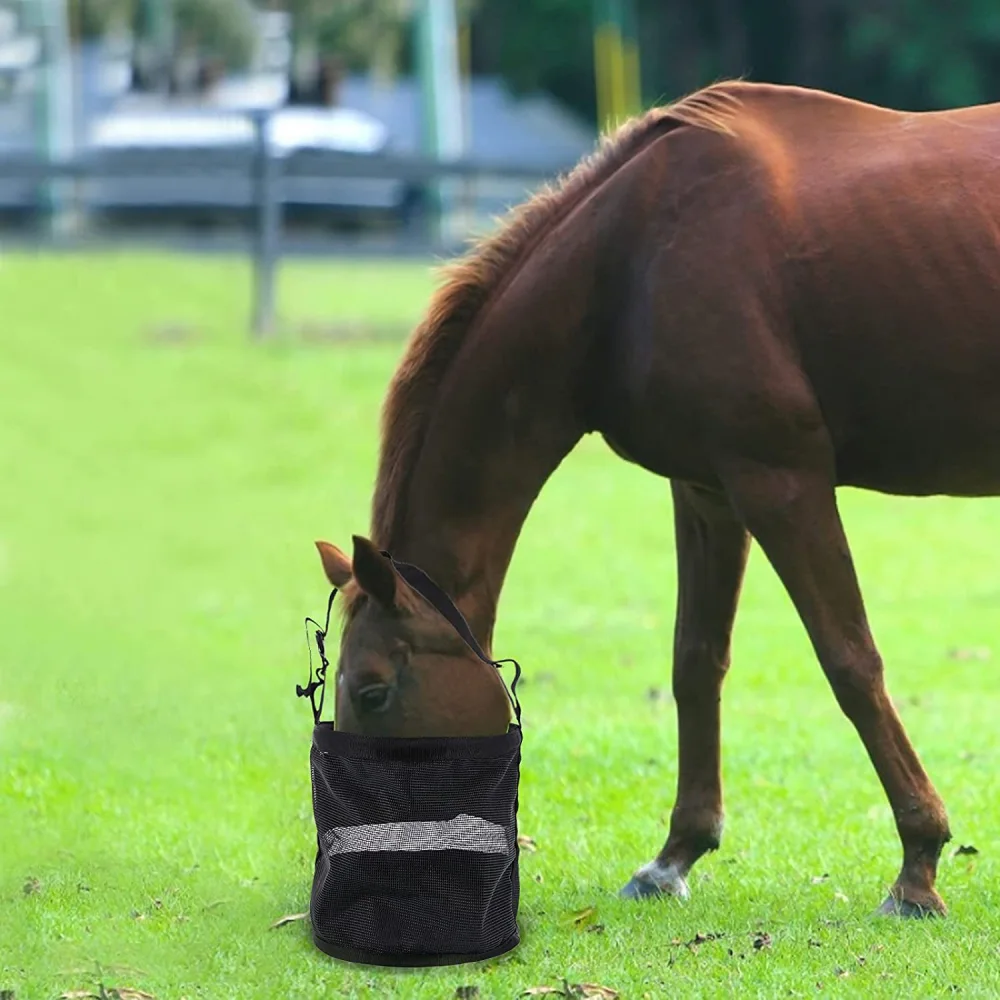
[{"x": 433, "y": 594}]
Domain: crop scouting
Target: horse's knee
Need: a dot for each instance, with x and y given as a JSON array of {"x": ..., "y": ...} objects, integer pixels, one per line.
[
  {"x": 857, "y": 679},
  {"x": 699, "y": 669}
]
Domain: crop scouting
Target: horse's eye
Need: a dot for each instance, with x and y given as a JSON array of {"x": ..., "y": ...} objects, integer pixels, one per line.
[{"x": 373, "y": 697}]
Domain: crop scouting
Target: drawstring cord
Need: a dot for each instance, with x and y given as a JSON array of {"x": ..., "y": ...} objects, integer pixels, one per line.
[{"x": 319, "y": 683}]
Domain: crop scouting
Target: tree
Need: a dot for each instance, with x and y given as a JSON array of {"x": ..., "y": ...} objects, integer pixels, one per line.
[
  {"x": 908, "y": 53},
  {"x": 218, "y": 29},
  {"x": 95, "y": 18},
  {"x": 221, "y": 30},
  {"x": 539, "y": 44},
  {"x": 923, "y": 54},
  {"x": 367, "y": 35},
  {"x": 364, "y": 34}
]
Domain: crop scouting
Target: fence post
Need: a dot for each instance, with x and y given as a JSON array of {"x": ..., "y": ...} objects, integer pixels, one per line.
[
  {"x": 267, "y": 199},
  {"x": 441, "y": 107},
  {"x": 53, "y": 111}
]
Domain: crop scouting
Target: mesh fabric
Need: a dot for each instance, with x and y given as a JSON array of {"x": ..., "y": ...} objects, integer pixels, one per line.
[{"x": 417, "y": 858}]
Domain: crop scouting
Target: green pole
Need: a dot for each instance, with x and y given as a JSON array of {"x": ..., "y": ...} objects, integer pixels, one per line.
[
  {"x": 441, "y": 99},
  {"x": 154, "y": 33},
  {"x": 425, "y": 61},
  {"x": 53, "y": 107}
]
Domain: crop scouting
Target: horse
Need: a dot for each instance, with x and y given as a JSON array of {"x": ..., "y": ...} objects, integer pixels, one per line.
[{"x": 757, "y": 292}]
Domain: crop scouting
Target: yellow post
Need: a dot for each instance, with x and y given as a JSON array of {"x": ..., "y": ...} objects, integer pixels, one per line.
[
  {"x": 616, "y": 62},
  {"x": 619, "y": 83}
]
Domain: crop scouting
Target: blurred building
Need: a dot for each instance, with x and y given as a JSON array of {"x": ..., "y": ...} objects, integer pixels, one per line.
[{"x": 345, "y": 114}]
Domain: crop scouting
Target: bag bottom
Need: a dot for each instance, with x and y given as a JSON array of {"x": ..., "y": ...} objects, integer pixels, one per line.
[{"x": 413, "y": 961}]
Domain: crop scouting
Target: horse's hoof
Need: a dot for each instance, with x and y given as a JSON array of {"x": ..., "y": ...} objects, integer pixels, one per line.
[
  {"x": 638, "y": 888},
  {"x": 656, "y": 879},
  {"x": 932, "y": 906}
]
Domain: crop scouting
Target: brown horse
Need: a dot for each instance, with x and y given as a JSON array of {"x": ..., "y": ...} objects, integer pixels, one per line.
[{"x": 759, "y": 292}]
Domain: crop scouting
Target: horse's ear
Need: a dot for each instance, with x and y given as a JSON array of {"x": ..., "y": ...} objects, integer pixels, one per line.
[
  {"x": 374, "y": 573},
  {"x": 336, "y": 565}
]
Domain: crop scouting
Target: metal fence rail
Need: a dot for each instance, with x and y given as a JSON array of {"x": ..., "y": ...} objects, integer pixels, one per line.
[{"x": 255, "y": 180}]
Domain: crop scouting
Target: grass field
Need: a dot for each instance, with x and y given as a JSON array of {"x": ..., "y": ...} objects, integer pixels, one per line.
[{"x": 162, "y": 483}]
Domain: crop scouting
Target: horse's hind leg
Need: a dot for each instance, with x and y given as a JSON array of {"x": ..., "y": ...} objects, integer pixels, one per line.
[
  {"x": 712, "y": 549},
  {"x": 793, "y": 515}
]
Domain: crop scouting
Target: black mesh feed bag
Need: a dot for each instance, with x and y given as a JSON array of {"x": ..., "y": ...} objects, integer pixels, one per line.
[{"x": 417, "y": 857}]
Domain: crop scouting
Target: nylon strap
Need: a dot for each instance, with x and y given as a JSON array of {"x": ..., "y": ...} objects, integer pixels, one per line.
[
  {"x": 416, "y": 578},
  {"x": 433, "y": 594}
]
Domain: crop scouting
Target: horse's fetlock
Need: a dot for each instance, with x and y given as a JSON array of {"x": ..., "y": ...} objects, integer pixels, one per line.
[
  {"x": 924, "y": 832},
  {"x": 699, "y": 830}
]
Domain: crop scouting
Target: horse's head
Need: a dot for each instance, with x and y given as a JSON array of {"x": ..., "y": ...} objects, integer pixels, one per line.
[{"x": 403, "y": 669}]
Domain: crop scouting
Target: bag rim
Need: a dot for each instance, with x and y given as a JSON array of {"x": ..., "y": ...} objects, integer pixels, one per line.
[{"x": 336, "y": 743}]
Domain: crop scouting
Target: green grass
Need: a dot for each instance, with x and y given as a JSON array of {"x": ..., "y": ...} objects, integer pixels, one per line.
[{"x": 158, "y": 504}]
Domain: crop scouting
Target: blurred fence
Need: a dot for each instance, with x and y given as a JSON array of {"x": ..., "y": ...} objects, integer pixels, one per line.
[{"x": 254, "y": 186}]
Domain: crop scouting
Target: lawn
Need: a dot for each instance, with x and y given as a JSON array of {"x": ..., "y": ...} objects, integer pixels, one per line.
[{"x": 163, "y": 479}]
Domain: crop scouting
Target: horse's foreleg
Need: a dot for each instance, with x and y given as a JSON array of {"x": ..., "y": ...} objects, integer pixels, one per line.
[
  {"x": 793, "y": 515},
  {"x": 712, "y": 550}
]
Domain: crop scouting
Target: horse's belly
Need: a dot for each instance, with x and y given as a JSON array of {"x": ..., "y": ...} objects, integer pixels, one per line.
[
  {"x": 920, "y": 457},
  {"x": 904, "y": 358},
  {"x": 980, "y": 481}
]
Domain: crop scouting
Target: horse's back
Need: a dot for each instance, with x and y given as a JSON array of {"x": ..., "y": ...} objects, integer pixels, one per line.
[
  {"x": 820, "y": 262},
  {"x": 887, "y": 242}
]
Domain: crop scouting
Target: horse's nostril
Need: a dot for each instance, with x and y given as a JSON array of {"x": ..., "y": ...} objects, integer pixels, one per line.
[{"x": 373, "y": 697}]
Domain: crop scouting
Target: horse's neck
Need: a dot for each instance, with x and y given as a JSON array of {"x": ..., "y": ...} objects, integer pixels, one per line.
[{"x": 506, "y": 415}]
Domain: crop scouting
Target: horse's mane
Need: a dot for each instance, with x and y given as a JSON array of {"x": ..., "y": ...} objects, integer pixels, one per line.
[{"x": 469, "y": 281}]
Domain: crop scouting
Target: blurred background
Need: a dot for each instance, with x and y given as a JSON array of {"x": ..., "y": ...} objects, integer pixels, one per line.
[{"x": 398, "y": 126}]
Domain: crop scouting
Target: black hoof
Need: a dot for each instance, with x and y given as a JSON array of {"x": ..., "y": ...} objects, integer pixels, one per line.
[
  {"x": 638, "y": 888},
  {"x": 893, "y": 907}
]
